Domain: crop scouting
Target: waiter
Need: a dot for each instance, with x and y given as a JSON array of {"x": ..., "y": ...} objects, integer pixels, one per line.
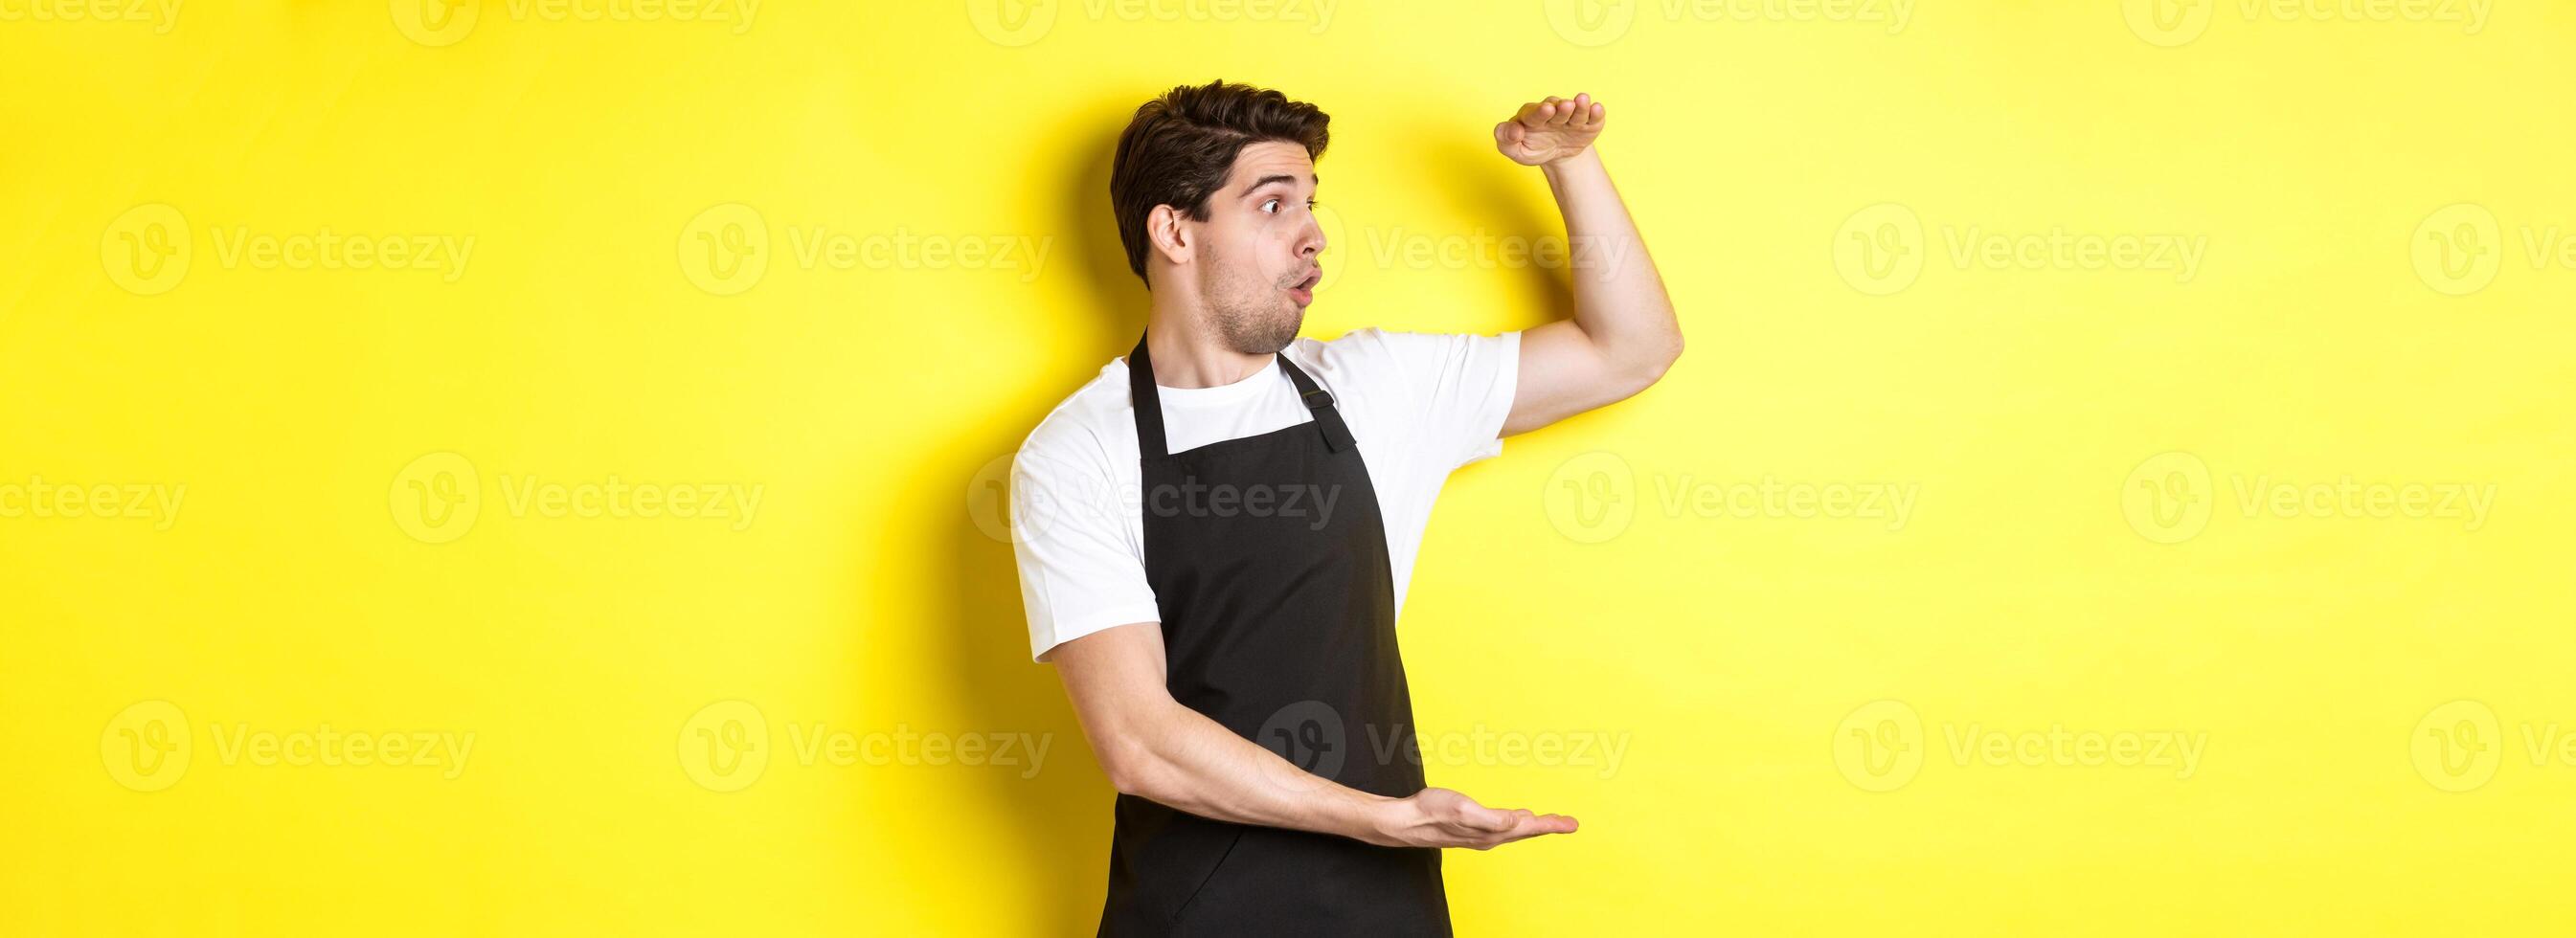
[{"x": 1215, "y": 534}]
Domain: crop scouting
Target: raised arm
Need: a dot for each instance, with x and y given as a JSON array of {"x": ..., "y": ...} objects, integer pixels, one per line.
[
  {"x": 1153, "y": 747},
  {"x": 1624, "y": 334}
]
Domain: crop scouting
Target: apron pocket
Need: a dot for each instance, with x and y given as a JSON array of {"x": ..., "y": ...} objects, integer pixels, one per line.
[{"x": 1213, "y": 869}]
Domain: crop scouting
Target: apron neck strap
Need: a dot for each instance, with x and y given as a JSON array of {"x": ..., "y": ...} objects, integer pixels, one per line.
[
  {"x": 1149, "y": 405},
  {"x": 1337, "y": 435},
  {"x": 1150, "y": 441}
]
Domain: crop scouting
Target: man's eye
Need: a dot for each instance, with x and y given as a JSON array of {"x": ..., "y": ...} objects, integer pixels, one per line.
[{"x": 1270, "y": 206}]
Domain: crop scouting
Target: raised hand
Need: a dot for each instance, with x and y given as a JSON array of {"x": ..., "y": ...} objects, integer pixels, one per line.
[{"x": 1551, "y": 130}]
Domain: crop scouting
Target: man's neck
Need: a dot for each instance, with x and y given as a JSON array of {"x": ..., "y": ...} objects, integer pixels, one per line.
[{"x": 1189, "y": 355}]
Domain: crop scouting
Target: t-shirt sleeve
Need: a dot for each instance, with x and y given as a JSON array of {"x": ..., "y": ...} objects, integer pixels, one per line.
[
  {"x": 1461, "y": 386},
  {"x": 1080, "y": 568}
]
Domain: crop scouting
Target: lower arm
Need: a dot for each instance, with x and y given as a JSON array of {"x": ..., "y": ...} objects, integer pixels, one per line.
[{"x": 1191, "y": 763}]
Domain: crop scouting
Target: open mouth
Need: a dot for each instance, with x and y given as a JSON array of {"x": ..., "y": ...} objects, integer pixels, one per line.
[{"x": 1304, "y": 290}]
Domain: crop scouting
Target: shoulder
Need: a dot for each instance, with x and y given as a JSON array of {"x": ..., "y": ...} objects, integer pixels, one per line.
[
  {"x": 1355, "y": 358},
  {"x": 1362, "y": 357},
  {"x": 1083, "y": 432}
]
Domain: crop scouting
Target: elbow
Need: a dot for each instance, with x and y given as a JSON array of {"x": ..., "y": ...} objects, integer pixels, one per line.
[
  {"x": 1132, "y": 768},
  {"x": 1128, "y": 782},
  {"x": 1651, "y": 366},
  {"x": 1672, "y": 353}
]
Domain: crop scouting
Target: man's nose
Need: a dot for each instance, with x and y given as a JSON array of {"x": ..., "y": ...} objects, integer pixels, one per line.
[{"x": 1310, "y": 239}]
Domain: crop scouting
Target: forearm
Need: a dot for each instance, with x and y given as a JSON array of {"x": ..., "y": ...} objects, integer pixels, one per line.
[
  {"x": 1619, "y": 298},
  {"x": 1179, "y": 757}
]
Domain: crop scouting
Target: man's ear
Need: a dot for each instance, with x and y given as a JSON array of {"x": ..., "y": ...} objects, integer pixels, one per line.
[{"x": 1163, "y": 229}]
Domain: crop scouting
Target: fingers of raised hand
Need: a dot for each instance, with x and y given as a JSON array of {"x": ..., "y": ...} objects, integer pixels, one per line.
[{"x": 1576, "y": 113}]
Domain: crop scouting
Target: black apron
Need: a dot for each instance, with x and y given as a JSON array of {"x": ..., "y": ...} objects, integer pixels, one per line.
[{"x": 1279, "y": 624}]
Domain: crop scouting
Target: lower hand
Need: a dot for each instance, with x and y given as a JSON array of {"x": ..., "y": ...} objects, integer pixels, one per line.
[{"x": 1439, "y": 817}]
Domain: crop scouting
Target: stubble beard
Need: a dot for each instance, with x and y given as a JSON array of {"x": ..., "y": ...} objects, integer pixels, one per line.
[{"x": 1253, "y": 319}]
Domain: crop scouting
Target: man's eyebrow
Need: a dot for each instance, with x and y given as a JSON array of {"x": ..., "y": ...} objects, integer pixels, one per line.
[{"x": 1280, "y": 177}]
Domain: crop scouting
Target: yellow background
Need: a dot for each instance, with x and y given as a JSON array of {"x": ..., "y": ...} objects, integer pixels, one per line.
[{"x": 1731, "y": 653}]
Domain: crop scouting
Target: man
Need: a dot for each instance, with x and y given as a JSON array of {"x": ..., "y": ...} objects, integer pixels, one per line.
[{"x": 1230, "y": 516}]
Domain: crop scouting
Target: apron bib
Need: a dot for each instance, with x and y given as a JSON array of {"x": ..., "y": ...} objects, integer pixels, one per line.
[{"x": 1278, "y": 624}]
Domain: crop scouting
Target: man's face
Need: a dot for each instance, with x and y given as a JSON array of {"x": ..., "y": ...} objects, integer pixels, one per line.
[{"x": 1257, "y": 252}]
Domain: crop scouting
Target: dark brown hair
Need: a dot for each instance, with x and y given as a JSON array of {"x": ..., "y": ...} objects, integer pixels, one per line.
[{"x": 1180, "y": 146}]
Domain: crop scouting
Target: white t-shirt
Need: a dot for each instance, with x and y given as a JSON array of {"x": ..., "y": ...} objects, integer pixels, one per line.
[{"x": 1420, "y": 405}]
